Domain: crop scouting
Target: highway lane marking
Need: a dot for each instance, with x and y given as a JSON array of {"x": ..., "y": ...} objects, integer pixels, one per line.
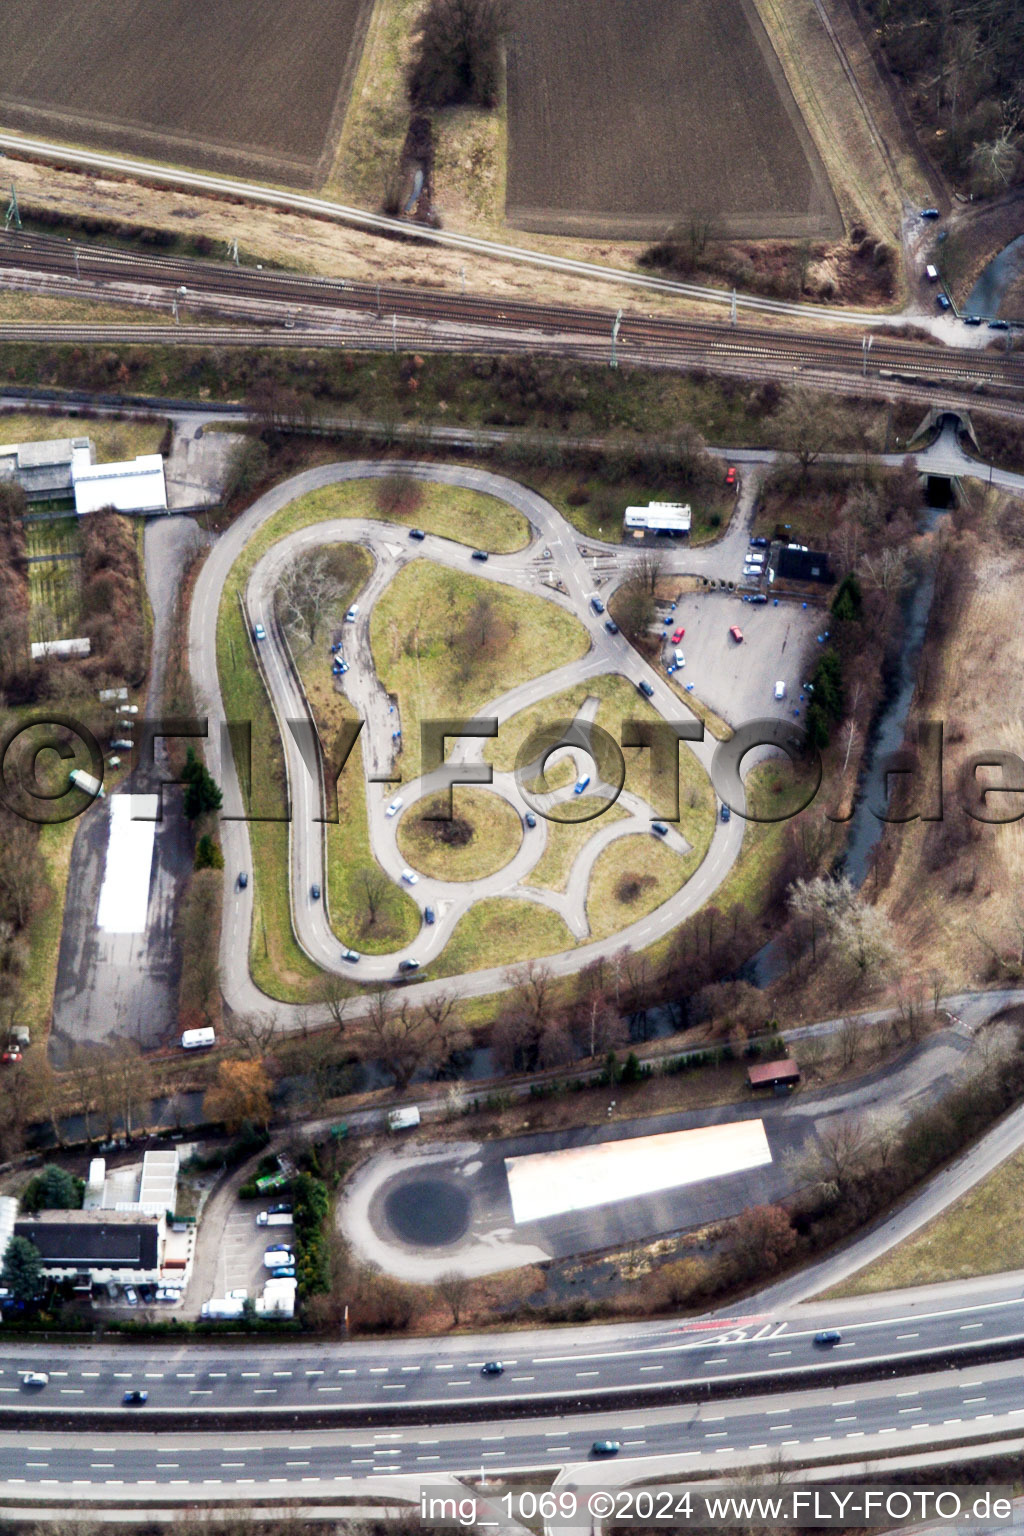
[
  {"x": 154, "y": 1376},
  {"x": 263, "y": 1391},
  {"x": 287, "y": 1463},
  {"x": 973, "y": 1400},
  {"x": 457, "y": 1383},
  {"x": 917, "y": 1408},
  {"x": 242, "y": 1463},
  {"x": 964, "y": 1327},
  {"x": 285, "y": 1373},
  {"x": 523, "y": 1378},
  {"x": 330, "y": 1389},
  {"x": 908, "y": 1336},
  {"x": 588, "y": 1373},
  {"x": 643, "y": 1368},
  {"x": 375, "y": 1370},
  {"x": 723, "y": 1359},
  {"x": 952, "y": 1421},
  {"x": 407, "y": 1368},
  {"x": 847, "y": 1418},
  {"x": 913, "y": 1393},
  {"x": 101, "y": 1466},
  {"x": 773, "y": 1354},
  {"x": 89, "y": 1375},
  {"x": 213, "y": 1375},
  {"x": 72, "y": 1391},
  {"x": 200, "y": 1391},
  {"x": 395, "y": 1386},
  {"x": 428, "y": 1458},
  {"x": 167, "y": 1466},
  {"x": 246, "y": 1374},
  {"x": 314, "y": 1373}
]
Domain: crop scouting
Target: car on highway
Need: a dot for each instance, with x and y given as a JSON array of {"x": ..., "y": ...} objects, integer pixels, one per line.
[
  {"x": 530, "y": 819},
  {"x": 135, "y": 1397},
  {"x": 352, "y": 613},
  {"x": 678, "y": 635},
  {"x": 408, "y": 965},
  {"x": 780, "y": 690},
  {"x": 725, "y": 813},
  {"x": 730, "y": 475},
  {"x": 351, "y": 955},
  {"x": 581, "y": 784},
  {"x": 491, "y": 1368},
  {"x": 258, "y": 632},
  {"x": 243, "y": 880},
  {"x": 429, "y": 915},
  {"x": 314, "y": 893},
  {"x": 395, "y": 806},
  {"x": 736, "y": 633},
  {"x": 828, "y": 1337},
  {"x": 606, "y": 1447},
  {"x": 596, "y": 604},
  {"x": 34, "y": 1379},
  {"x": 659, "y": 828},
  {"x": 646, "y": 689},
  {"x": 611, "y": 626},
  {"x": 417, "y": 533},
  {"x": 410, "y": 876},
  {"x": 480, "y": 554}
]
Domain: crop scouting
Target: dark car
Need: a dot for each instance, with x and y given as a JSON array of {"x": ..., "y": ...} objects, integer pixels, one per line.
[
  {"x": 971, "y": 319},
  {"x": 725, "y": 813},
  {"x": 314, "y": 892},
  {"x": 417, "y": 533},
  {"x": 999, "y": 325},
  {"x": 828, "y": 1337},
  {"x": 930, "y": 213},
  {"x": 243, "y": 881},
  {"x": 408, "y": 965},
  {"x": 530, "y": 819},
  {"x": 611, "y": 626},
  {"x": 480, "y": 554},
  {"x": 659, "y": 828},
  {"x": 492, "y": 1368},
  {"x": 351, "y": 955},
  {"x": 429, "y": 915},
  {"x": 758, "y": 542},
  {"x": 606, "y": 1447},
  {"x": 597, "y": 605},
  {"x": 646, "y": 689},
  {"x": 135, "y": 1396},
  {"x": 942, "y": 302}
]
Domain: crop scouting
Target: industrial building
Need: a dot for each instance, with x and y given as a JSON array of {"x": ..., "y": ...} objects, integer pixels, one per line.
[
  {"x": 790, "y": 563},
  {"x": 94, "y": 1248},
  {"x": 64, "y": 469}
]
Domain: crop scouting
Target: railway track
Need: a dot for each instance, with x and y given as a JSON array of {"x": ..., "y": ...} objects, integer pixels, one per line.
[{"x": 210, "y": 279}]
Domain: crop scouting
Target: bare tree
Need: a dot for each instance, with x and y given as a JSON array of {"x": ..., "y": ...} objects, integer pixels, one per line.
[
  {"x": 307, "y": 596},
  {"x": 335, "y": 998},
  {"x": 253, "y": 1033},
  {"x": 649, "y": 567},
  {"x": 404, "y": 1038},
  {"x": 453, "y": 1287},
  {"x": 374, "y": 886},
  {"x": 837, "y": 1153},
  {"x": 807, "y": 424}
]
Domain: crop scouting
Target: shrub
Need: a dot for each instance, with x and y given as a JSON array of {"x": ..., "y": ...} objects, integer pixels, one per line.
[{"x": 455, "y": 59}]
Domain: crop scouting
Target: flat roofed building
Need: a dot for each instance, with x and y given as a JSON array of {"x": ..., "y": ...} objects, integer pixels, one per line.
[
  {"x": 791, "y": 564},
  {"x": 44, "y": 470},
  {"x": 136, "y": 485},
  {"x": 107, "y": 1245},
  {"x": 660, "y": 517}
]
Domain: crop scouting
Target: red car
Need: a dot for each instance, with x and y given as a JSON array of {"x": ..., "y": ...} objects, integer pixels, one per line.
[
  {"x": 678, "y": 636},
  {"x": 10, "y": 1057},
  {"x": 730, "y": 475},
  {"x": 736, "y": 633}
]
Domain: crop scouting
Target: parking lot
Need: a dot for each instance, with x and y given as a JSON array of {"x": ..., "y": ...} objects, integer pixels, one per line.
[
  {"x": 240, "y": 1264},
  {"x": 737, "y": 679}
]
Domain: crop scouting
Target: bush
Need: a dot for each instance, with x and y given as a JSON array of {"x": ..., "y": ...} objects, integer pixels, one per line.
[{"x": 455, "y": 59}]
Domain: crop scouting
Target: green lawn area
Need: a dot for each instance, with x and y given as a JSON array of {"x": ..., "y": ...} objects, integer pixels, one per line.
[
  {"x": 597, "y": 508},
  {"x": 54, "y": 586},
  {"x": 501, "y": 931},
  {"x": 113, "y": 439},
  {"x": 468, "y": 517},
  {"x": 495, "y": 833},
  {"x": 982, "y": 1233},
  {"x": 630, "y": 878},
  {"x": 43, "y": 934},
  {"x": 435, "y": 652},
  {"x": 565, "y": 839}
]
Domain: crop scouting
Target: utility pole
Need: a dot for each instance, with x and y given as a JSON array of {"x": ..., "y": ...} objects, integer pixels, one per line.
[
  {"x": 13, "y": 211},
  {"x": 732, "y": 308},
  {"x": 462, "y": 274},
  {"x": 180, "y": 294},
  {"x": 613, "y": 361},
  {"x": 394, "y": 333},
  {"x": 233, "y": 250},
  {"x": 78, "y": 270},
  {"x": 865, "y": 348}
]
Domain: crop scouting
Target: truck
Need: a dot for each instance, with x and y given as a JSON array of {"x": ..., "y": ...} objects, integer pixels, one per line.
[
  {"x": 403, "y": 1119},
  {"x": 88, "y": 783},
  {"x": 274, "y": 1219},
  {"x": 223, "y": 1306},
  {"x": 196, "y": 1039}
]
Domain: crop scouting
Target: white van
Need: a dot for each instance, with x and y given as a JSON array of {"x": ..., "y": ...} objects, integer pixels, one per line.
[{"x": 195, "y": 1039}]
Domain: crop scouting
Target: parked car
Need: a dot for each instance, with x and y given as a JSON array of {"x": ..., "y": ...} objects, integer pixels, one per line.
[
  {"x": 678, "y": 635},
  {"x": 395, "y": 806},
  {"x": 659, "y": 828},
  {"x": 491, "y": 1368},
  {"x": 646, "y": 689},
  {"x": 828, "y": 1337},
  {"x": 131, "y": 1296},
  {"x": 930, "y": 213},
  {"x": 780, "y": 690},
  {"x": 429, "y": 915},
  {"x": 736, "y": 633},
  {"x": 480, "y": 554},
  {"x": 581, "y": 784},
  {"x": 277, "y": 1256},
  {"x": 759, "y": 542},
  {"x": 352, "y": 613},
  {"x": 135, "y": 1397},
  {"x": 258, "y": 632},
  {"x": 611, "y": 626},
  {"x": 417, "y": 533},
  {"x": 971, "y": 319},
  {"x": 410, "y": 877},
  {"x": 999, "y": 325},
  {"x": 730, "y": 475},
  {"x": 942, "y": 302},
  {"x": 351, "y": 955},
  {"x": 679, "y": 658}
]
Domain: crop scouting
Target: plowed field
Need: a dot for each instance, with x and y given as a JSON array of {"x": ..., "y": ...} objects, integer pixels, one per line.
[
  {"x": 627, "y": 117},
  {"x": 248, "y": 86}
]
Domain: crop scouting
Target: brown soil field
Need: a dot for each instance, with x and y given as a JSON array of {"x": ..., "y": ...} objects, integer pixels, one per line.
[
  {"x": 231, "y": 86},
  {"x": 632, "y": 116}
]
